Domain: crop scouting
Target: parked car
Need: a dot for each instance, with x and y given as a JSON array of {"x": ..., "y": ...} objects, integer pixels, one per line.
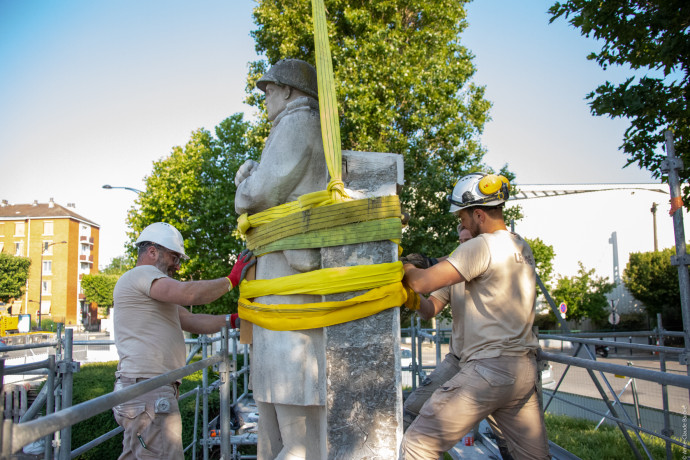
[
  {"x": 547, "y": 380},
  {"x": 405, "y": 359}
]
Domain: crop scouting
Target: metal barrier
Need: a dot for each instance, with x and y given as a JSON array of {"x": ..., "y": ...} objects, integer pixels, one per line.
[{"x": 55, "y": 426}]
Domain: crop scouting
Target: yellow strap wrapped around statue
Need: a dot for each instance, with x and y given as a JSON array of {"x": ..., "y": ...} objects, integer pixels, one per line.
[
  {"x": 359, "y": 232},
  {"x": 286, "y": 317},
  {"x": 324, "y": 217},
  {"x": 326, "y": 281}
]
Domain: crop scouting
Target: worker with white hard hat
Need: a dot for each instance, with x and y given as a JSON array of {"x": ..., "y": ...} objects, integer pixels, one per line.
[
  {"x": 149, "y": 321},
  {"x": 497, "y": 374}
]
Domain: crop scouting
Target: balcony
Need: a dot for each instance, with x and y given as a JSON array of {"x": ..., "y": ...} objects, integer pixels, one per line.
[
  {"x": 86, "y": 239},
  {"x": 85, "y": 258},
  {"x": 82, "y": 297}
]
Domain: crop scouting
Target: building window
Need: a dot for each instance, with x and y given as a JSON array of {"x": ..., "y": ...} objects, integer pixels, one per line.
[
  {"x": 18, "y": 248},
  {"x": 1, "y": 245},
  {"x": 85, "y": 267},
  {"x": 47, "y": 267},
  {"x": 85, "y": 249},
  {"x": 47, "y": 248},
  {"x": 45, "y": 288},
  {"x": 45, "y": 307},
  {"x": 47, "y": 228},
  {"x": 19, "y": 229}
]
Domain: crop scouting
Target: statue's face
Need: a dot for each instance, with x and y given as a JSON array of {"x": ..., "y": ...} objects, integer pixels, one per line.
[{"x": 276, "y": 99}]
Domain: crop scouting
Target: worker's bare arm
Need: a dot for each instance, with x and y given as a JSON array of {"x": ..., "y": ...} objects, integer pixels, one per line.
[
  {"x": 429, "y": 307},
  {"x": 188, "y": 292},
  {"x": 199, "y": 323},
  {"x": 428, "y": 280}
]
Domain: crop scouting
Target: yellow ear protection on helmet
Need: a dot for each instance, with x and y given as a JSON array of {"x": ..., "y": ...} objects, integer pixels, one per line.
[{"x": 494, "y": 184}]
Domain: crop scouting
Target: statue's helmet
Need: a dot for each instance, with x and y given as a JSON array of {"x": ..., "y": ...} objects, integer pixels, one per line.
[{"x": 291, "y": 72}]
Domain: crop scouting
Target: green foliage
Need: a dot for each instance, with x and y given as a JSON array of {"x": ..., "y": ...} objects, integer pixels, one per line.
[
  {"x": 118, "y": 266},
  {"x": 99, "y": 289},
  {"x": 14, "y": 272},
  {"x": 543, "y": 258},
  {"x": 546, "y": 321},
  {"x": 652, "y": 280},
  {"x": 579, "y": 437},
  {"x": 584, "y": 294},
  {"x": 194, "y": 190},
  {"x": 647, "y": 36},
  {"x": 47, "y": 324},
  {"x": 403, "y": 84}
]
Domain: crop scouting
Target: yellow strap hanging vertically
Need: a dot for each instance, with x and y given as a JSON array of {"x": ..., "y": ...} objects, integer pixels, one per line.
[{"x": 328, "y": 106}]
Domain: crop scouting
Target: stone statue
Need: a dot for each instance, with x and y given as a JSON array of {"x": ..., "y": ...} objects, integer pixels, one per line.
[{"x": 288, "y": 367}]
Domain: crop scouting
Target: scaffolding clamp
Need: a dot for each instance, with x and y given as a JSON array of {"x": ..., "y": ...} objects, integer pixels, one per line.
[
  {"x": 64, "y": 367},
  {"x": 680, "y": 259},
  {"x": 669, "y": 164}
]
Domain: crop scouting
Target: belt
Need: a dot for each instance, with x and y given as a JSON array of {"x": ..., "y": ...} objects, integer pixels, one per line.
[{"x": 131, "y": 380}]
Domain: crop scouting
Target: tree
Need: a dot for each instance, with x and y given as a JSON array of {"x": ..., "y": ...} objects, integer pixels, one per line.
[
  {"x": 98, "y": 289},
  {"x": 543, "y": 258},
  {"x": 403, "y": 84},
  {"x": 194, "y": 190},
  {"x": 584, "y": 294},
  {"x": 14, "y": 271},
  {"x": 118, "y": 266},
  {"x": 650, "y": 36},
  {"x": 652, "y": 280}
]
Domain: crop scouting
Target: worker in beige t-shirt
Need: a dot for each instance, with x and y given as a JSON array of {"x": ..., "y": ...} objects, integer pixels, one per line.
[
  {"x": 148, "y": 322},
  {"x": 498, "y": 374}
]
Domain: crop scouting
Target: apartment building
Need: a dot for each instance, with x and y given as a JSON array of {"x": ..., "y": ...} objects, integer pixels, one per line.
[{"x": 62, "y": 246}]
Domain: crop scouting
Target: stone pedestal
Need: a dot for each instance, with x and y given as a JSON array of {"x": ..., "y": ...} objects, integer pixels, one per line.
[{"x": 364, "y": 392}]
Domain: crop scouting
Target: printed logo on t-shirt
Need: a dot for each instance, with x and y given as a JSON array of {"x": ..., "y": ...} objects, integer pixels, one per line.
[{"x": 519, "y": 258}]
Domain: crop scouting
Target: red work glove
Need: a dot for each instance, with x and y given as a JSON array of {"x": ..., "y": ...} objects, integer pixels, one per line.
[
  {"x": 234, "y": 321},
  {"x": 239, "y": 270}
]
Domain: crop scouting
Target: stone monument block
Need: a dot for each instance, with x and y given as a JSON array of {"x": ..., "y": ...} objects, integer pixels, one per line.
[{"x": 364, "y": 392}]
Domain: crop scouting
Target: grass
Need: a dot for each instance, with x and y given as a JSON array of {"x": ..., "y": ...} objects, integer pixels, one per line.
[{"x": 607, "y": 443}]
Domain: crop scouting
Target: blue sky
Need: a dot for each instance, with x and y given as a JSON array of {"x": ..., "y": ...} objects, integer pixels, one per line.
[{"x": 93, "y": 92}]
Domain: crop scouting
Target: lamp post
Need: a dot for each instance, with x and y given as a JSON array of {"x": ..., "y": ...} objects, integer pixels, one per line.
[
  {"x": 109, "y": 187},
  {"x": 40, "y": 285},
  {"x": 656, "y": 245}
]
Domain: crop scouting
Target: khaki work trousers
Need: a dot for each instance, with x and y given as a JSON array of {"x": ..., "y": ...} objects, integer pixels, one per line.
[
  {"x": 503, "y": 387},
  {"x": 152, "y": 423}
]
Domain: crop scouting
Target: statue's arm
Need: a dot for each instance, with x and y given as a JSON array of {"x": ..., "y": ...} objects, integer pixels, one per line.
[{"x": 283, "y": 161}]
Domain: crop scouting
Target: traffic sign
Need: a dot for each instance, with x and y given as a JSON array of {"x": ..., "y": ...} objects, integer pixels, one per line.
[
  {"x": 563, "y": 308},
  {"x": 614, "y": 318}
]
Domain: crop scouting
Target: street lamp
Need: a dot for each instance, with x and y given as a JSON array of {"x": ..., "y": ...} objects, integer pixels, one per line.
[
  {"x": 109, "y": 187},
  {"x": 40, "y": 285}
]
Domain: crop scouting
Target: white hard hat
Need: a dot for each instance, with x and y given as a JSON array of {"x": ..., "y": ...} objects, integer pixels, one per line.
[
  {"x": 165, "y": 235},
  {"x": 479, "y": 189}
]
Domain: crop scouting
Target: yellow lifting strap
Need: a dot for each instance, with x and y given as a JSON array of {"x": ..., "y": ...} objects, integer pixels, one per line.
[
  {"x": 348, "y": 212},
  {"x": 359, "y": 232},
  {"x": 328, "y": 104},
  {"x": 288, "y": 317},
  {"x": 325, "y": 281}
]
